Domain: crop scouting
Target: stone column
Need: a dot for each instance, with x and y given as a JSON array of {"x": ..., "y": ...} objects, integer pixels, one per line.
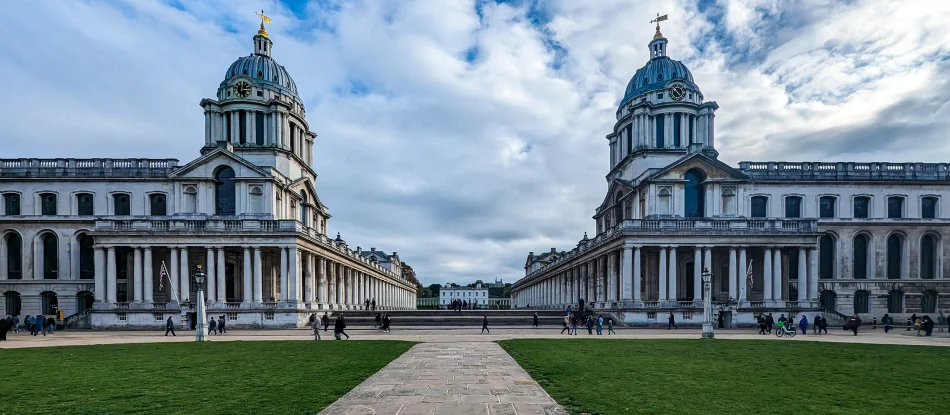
[
  {"x": 777, "y": 275},
  {"x": 100, "y": 281},
  {"x": 147, "y": 282},
  {"x": 673, "y": 277},
  {"x": 802, "y": 274},
  {"x": 321, "y": 281},
  {"x": 637, "y": 274},
  {"x": 743, "y": 275},
  {"x": 314, "y": 279},
  {"x": 247, "y": 286},
  {"x": 185, "y": 275},
  {"x": 220, "y": 277},
  {"x": 698, "y": 274},
  {"x": 663, "y": 274},
  {"x": 293, "y": 274},
  {"x": 767, "y": 274},
  {"x": 733, "y": 294},
  {"x": 348, "y": 283},
  {"x": 331, "y": 283},
  {"x": 284, "y": 286},
  {"x": 210, "y": 280},
  {"x": 307, "y": 272},
  {"x": 627, "y": 272},
  {"x": 135, "y": 285},
  {"x": 110, "y": 275},
  {"x": 813, "y": 278},
  {"x": 611, "y": 277},
  {"x": 258, "y": 277}
]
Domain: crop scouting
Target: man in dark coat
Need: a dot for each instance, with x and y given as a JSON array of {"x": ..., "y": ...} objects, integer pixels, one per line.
[
  {"x": 671, "y": 322},
  {"x": 326, "y": 321},
  {"x": 338, "y": 327},
  {"x": 485, "y": 324},
  {"x": 5, "y": 325},
  {"x": 927, "y": 325},
  {"x": 853, "y": 324},
  {"x": 170, "y": 327},
  {"x": 769, "y": 322}
]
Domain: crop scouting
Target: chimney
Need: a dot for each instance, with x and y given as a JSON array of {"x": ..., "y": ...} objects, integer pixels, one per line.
[
  {"x": 372, "y": 249},
  {"x": 553, "y": 249}
]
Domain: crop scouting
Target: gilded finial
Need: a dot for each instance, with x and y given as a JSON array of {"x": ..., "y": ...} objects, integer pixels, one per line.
[
  {"x": 264, "y": 19},
  {"x": 657, "y": 21}
]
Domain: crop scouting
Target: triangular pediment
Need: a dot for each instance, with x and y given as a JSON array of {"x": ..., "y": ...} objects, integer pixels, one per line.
[
  {"x": 714, "y": 169},
  {"x": 616, "y": 185},
  {"x": 204, "y": 167},
  {"x": 306, "y": 184}
]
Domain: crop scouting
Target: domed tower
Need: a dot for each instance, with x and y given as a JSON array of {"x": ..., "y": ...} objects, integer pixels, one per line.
[
  {"x": 258, "y": 113},
  {"x": 661, "y": 118}
]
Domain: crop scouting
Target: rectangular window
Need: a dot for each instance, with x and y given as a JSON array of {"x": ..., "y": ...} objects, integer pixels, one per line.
[
  {"x": 242, "y": 127},
  {"x": 861, "y": 205},
  {"x": 122, "y": 205},
  {"x": 895, "y": 207},
  {"x": 84, "y": 204},
  {"x": 227, "y": 124},
  {"x": 11, "y": 204},
  {"x": 691, "y": 118},
  {"x": 677, "y": 129},
  {"x": 293, "y": 138},
  {"x": 157, "y": 205},
  {"x": 259, "y": 127},
  {"x": 759, "y": 206},
  {"x": 629, "y": 138},
  {"x": 793, "y": 207},
  {"x": 659, "y": 132},
  {"x": 659, "y": 96},
  {"x": 48, "y": 204},
  {"x": 826, "y": 207},
  {"x": 928, "y": 208}
]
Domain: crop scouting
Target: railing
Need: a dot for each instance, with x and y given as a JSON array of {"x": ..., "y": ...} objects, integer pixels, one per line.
[
  {"x": 686, "y": 304},
  {"x": 845, "y": 171},
  {"x": 72, "y": 318},
  {"x": 69, "y": 167},
  {"x": 792, "y": 304},
  {"x": 232, "y": 305},
  {"x": 122, "y": 305},
  {"x": 651, "y": 304},
  {"x": 159, "y": 305},
  {"x": 269, "y": 305},
  {"x": 756, "y": 304}
]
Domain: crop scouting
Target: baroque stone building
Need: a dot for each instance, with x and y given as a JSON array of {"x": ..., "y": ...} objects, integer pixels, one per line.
[
  {"x": 116, "y": 242},
  {"x": 780, "y": 237}
]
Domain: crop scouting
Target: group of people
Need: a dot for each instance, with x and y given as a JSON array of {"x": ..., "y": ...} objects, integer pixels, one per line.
[
  {"x": 33, "y": 324},
  {"x": 216, "y": 326},
  {"x": 459, "y": 305},
  {"x": 383, "y": 322},
  {"x": 573, "y": 320},
  {"x": 370, "y": 303},
  {"x": 338, "y": 326},
  {"x": 766, "y": 322}
]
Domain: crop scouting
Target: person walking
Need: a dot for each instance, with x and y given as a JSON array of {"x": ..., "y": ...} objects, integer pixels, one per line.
[
  {"x": 338, "y": 327},
  {"x": 326, "y": 321},
  {"x": 590, "y": 325},
  {"x": 671, "y": 322},
  {"x": 610, "y": 326},
  {"x": 379, "y": 320},
  {"x": 28, "y": 324},
  {"x": 888, "y": 323},
  {"x": 600, "y": 325},
  {"x": 170, "y": 327},
  {"x": 535, "y": 322},
  {"x": 221, "y": 327},
  {"x": 567, "y": 325},
  {"x": 316, "y": 328},
  {"x": 803, "y": 324},
  {"x": 367, "y": 304},
  {"x": 927, "y": 325},
  {"x": 853, "y": 324},
  {"x": 769, "y": 322},
  {"x": 39, "y": 325},
  {"x": 373, "y": 303},
  {"x": 16, "y": 324},
  {"x": 823, "y": 326},
  {"x": 213, "y": 326},
  {"x": 485, "y": 325},
  {"x": 573, "y": 324},
  {"x": 51, "y": 323},
  {"x": 387, "y": 323}
]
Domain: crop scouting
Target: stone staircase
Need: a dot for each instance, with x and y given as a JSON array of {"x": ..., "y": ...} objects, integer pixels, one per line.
[{"x": 447, "y": 318}]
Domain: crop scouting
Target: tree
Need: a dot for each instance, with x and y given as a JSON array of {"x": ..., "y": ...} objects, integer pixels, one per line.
[
  {"x": 434, "y": 289},
  {"x": 507, "y": 291}
]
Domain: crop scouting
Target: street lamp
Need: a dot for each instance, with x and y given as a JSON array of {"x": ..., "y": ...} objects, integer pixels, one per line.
[
  {"x": 707, "y": 305},
  {"x": 200, "y": 333}
]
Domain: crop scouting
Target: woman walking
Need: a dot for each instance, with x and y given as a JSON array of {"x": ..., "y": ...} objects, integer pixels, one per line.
[{"x": 338, "y": 327}]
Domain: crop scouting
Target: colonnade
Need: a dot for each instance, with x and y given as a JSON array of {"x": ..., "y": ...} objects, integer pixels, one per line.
[
  {"x": 271, "y": 276},
  {"x": 647, "y": 276},
  {"x": 643, "y": 131}
]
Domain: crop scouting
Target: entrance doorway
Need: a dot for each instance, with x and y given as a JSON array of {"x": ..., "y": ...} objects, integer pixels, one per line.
[{"x": 689, "y": 289}]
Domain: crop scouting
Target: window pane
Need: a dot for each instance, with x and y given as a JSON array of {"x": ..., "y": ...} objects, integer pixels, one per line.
[
  {"x": 793, "y": 207},
  {"x": 861, "y": 207},
  {"x": 895, "y": 207},
  {"x": 894, "y": 247},
  {"x": 122, "y": 205},
  {"x": 158, "y": 205},
  {"x": 827, "y": 207},
  {"x": 826, "y": 252},
  {"x": 929, "y": 208},
  {"x": 759, "y": 204},
  {"x": 48, "y": 204},
  {"x": 11, "y": 204},
  {"x": 84, "y": 204}
]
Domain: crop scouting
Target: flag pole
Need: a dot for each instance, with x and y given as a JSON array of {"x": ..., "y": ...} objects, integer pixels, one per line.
[{"x": 163, "y": 273}]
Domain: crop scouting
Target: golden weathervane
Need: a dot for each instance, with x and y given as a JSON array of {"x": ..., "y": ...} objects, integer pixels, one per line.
[
  {"x": 265, "y": 19},
  {"x": 657, "y": 21}
]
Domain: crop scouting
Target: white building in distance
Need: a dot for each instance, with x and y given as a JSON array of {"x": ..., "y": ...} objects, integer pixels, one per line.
[
  {"x": 89, "y": 236},
  {"x": 477, "y": 295}
]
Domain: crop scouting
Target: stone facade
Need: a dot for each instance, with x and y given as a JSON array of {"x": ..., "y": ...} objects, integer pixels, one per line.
[
  {"x": 844, "y": 237},
  {"x": 117, "y": 241}
]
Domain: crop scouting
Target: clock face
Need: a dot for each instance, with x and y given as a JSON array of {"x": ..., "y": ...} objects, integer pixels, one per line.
[
  {"x": 242, "y": 89},
  {"x": 677, "y": 92}
]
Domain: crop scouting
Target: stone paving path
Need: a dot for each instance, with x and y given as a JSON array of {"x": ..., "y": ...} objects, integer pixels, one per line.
[{"x": 448, "y": 378}]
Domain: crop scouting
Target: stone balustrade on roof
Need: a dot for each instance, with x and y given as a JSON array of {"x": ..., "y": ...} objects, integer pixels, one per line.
[
  {"x": 97, "y": 167},
  {"x": 840, "y": 171}
]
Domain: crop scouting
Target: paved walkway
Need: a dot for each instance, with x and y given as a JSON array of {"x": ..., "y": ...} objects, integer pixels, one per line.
[{"x": 448, "y": 378}]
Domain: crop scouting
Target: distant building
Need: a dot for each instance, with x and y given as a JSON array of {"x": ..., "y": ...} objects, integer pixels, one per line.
[
  {"x": 477, "y": 295},
  {"x": 499, "y": 283},
  {"x": 390, "y": 262}
]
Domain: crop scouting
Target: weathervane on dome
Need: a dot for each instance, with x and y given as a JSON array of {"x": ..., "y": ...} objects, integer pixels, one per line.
[
  {"x": 265, "y": 19},
  {"x": 657, "y": 21}
]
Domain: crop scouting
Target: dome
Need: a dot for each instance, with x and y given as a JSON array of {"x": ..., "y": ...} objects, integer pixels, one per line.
[
  {"x": 265, "y": 71},
  {"x": 654, "y": 76}
]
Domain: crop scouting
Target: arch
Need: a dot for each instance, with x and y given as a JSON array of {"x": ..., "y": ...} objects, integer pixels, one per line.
[
  {"x": 12, "y": 302},
  {"x": 664, "y": 203},
  {"x": 827, "y": 248},
  {"x": 695, "y": 200},
  {"x": 929, "y": 256},
  {"x": 224, "y": 191},
  {"x": 928, "y": 303},
  {"x": 87, "y": 261},
  {"x": 895, "y": 256},
  {"x": 13, "y": 244},
  {"x": 49, "y": 251},
  {"x": 257, "y": 199},
  {"x": 728, "y": 201},
  {"x": 84, "y": 301},
  {"x": 828, "y": 300},
  {"x": 191, "y": 199},
  {"x": 861, "y": 302},
  {"x": 50, "y": 302},
  {"x": 861, "y": 252},
  {"x": 303, "y": 206},
  {"x": 895, "y": 301}
]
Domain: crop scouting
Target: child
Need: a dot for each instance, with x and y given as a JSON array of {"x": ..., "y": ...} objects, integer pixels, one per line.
[{"x": 610, "y": 326}]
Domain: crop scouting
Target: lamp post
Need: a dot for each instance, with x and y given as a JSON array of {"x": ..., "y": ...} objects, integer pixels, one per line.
[
  {"x": 200, "y": 333},
  {"x": 707, "y": 305}
]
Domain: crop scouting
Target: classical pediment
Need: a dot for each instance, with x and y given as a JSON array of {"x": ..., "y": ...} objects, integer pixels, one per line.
[
  {"x": 713, "y": 169},
  {"x": 205, "y": 167}
]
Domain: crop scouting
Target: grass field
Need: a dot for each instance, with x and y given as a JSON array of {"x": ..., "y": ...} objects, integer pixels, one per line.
[
  {"x": 601, "y": 376},
  {"x": 294, "y": 377}
]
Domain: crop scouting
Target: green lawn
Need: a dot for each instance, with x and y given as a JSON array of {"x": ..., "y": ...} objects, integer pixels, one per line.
[
  {"x": 601, "y": 376},
  {"x": 291, "y": 377}
]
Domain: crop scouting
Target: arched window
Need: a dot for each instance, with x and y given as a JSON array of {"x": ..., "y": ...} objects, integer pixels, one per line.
[
  {"x": 303, "y": 207},
  {"x": 12, "y": 302},
  {"x": 826, "y": 257},
  {"x": 659, "y": 77},
  {"x": 191, "y": 199},
  {"x": 860, "y": 266},
  {"x": 121, "y": 205},
  {"x": 862, "y": 206},
  {"x": 87, "y": 262},
  {"x": 861, "y": 299},
  {"x": 928, "y": 257},
  {"x": 157, "y": 205},
  {"x": 50, "y": 303},
  {"x": 895, "y": 207},
  {"x": 85, "y": 205},
  {"x": 928, "y": 207},
  {"x": 695, "y": 194},
  {"x": 760, "y": 205},
  {"x": 793, "y": 207},
  {"x": 84, "y": 300},
  {"x": 224, "y": 192},
  {"x": 14, "y": 247},
  {"x": 928, "y": 303},
  {"x": 895, "y": 301},
  {"x": 895, "y": 248},
  {"x": 11, "y": 204},
  {"x": 618, "y": 208},
  {"x": 48, "y": 204},
  {"x": 828, "y": 300},
  {"x": 50, "y": 256},
  {"x": 728, "y": 201},
  {"x": 257, "y": 200},
  {"x": 663, "y": 202},
  {"x": 826, "y": 206}
]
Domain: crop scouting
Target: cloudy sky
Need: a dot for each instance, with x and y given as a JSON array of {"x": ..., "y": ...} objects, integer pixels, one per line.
[{"x": 463, "y": 133}]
